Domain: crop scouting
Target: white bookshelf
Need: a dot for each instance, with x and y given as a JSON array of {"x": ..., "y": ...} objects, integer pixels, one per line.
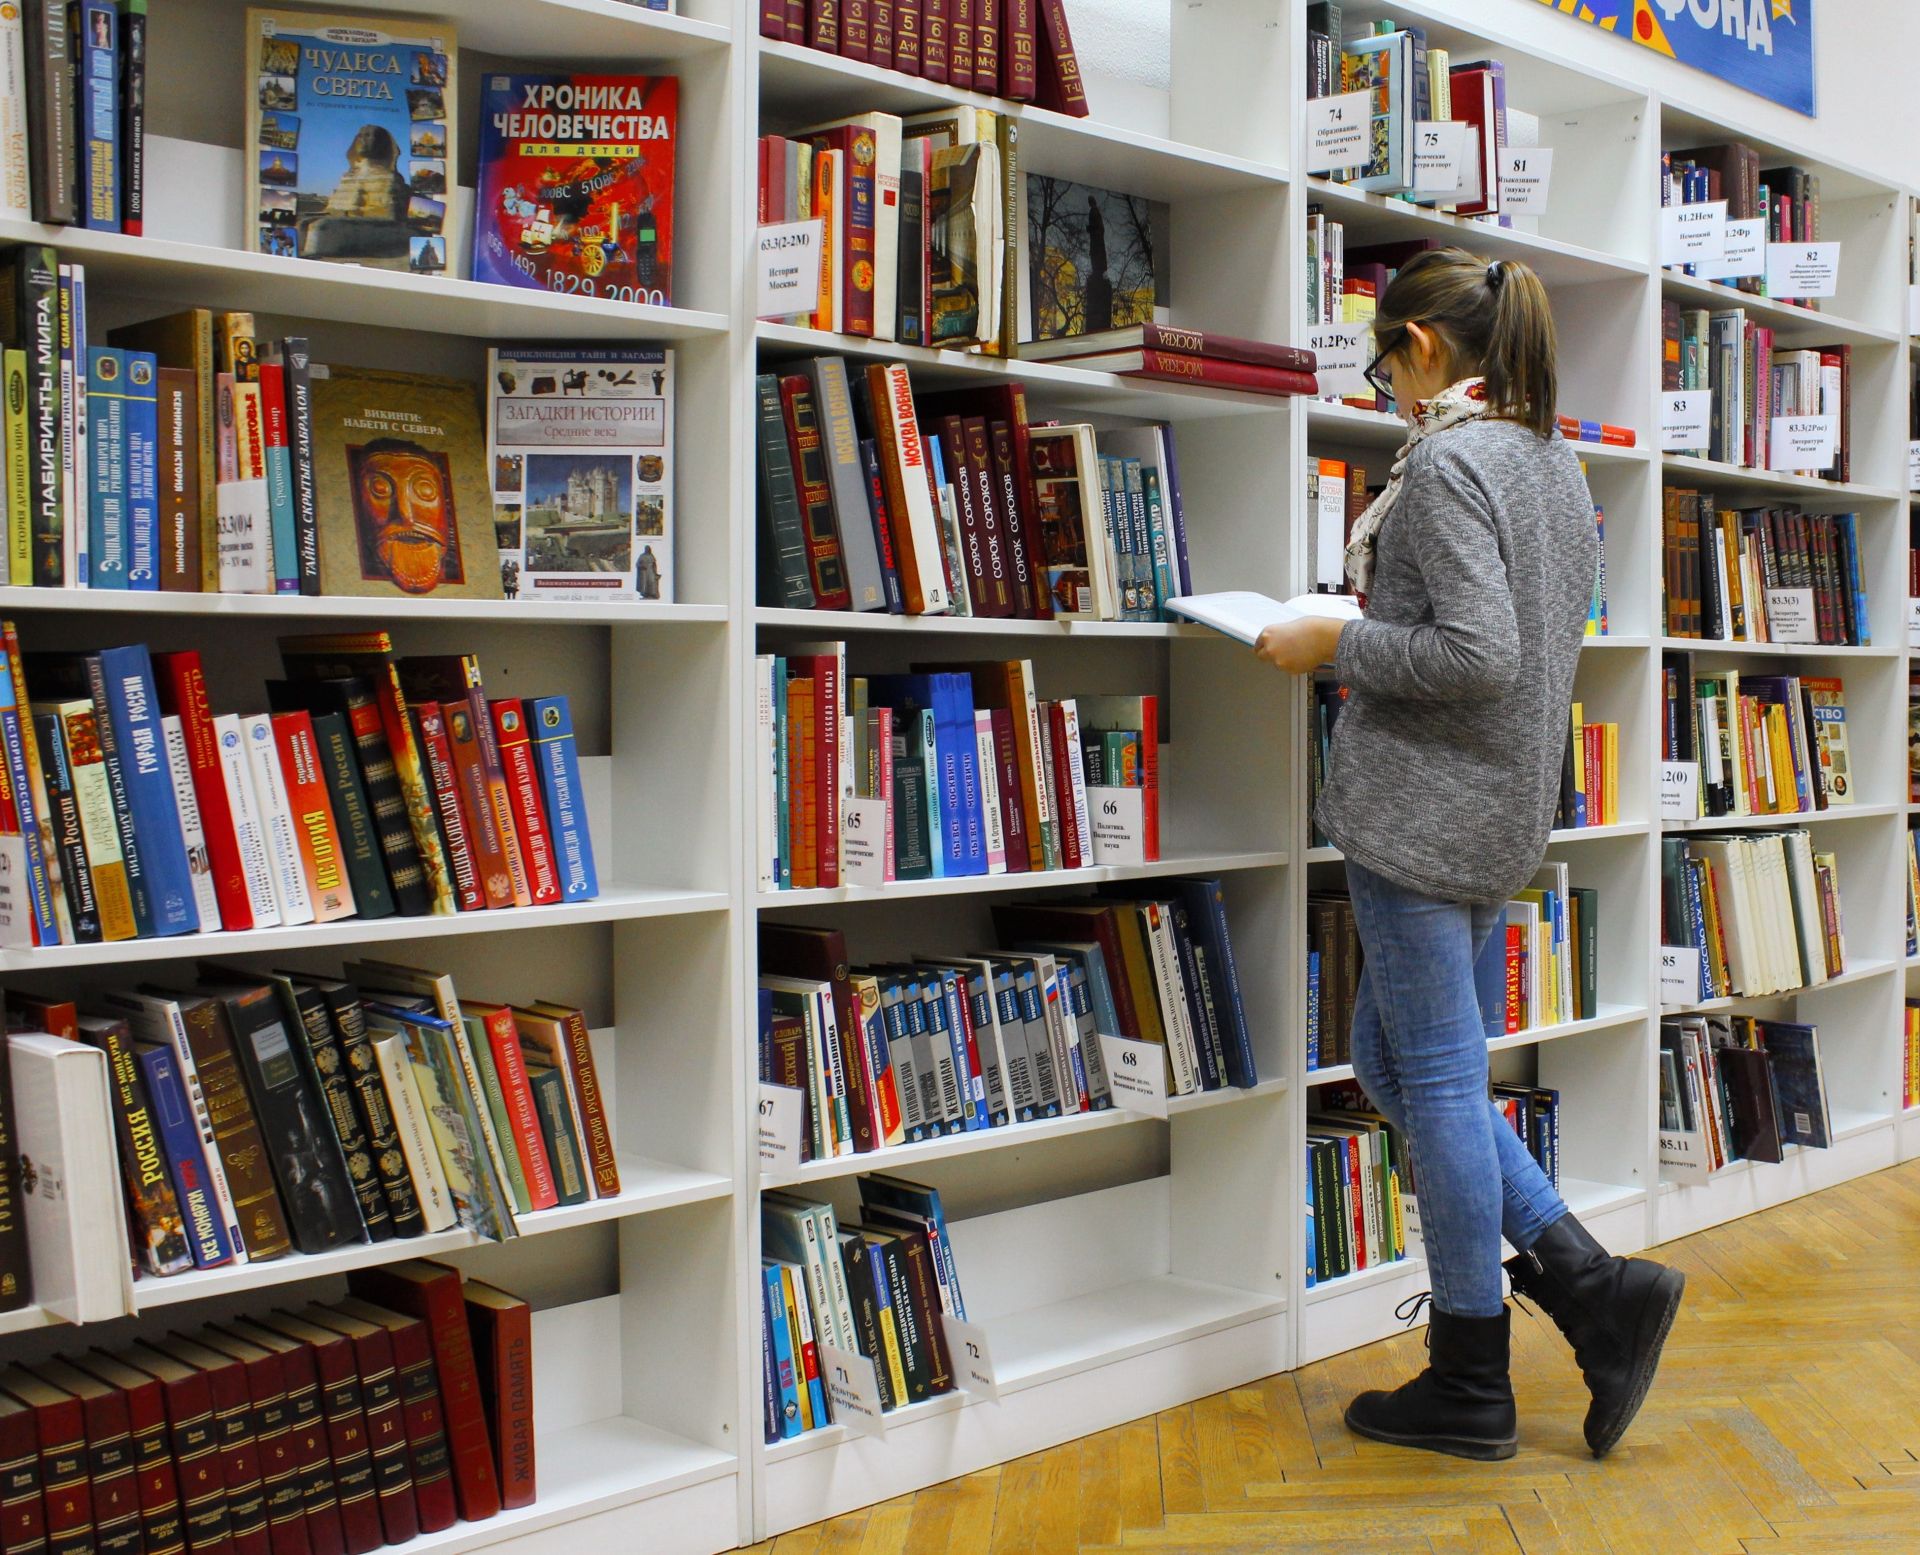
[{"x": 1119, "y": 1264}]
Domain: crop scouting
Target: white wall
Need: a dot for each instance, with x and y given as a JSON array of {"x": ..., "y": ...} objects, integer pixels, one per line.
[{"x": 1869, "y": 117}]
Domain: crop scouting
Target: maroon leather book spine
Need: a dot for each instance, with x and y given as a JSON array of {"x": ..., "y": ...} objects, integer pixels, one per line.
[
  {"x": 279, "y": 1462},
  {"x": 823, "y": 25},
  {"x": 62, "y": 1438},
  {"x": 339, "y": 1380},
  {"x": 23, "y": 1511},
  {"x": 307, "y": 1444},
  {"x": 239, "y": 1453},
  {"x": 196, "y": 1461},
  {"x": 163, "y": 1531},
  {"x": 386, "y": 1431},
  {"x": 116, "y": 1492},
  {"x": 933, "y": 40},
  {"x": 796, "y": 20},
  {"x": 431, "y": 1292},
  {"x": 502, "y": 1329},
  {"x": 426, "y": 1426}
]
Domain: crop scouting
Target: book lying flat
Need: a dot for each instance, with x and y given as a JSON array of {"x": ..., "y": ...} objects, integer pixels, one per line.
[{"x": 1244, "y": 616}]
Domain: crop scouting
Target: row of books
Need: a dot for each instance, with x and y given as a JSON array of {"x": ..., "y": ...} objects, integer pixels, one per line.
[
  {"x": 975, "y": 774},
  {"x": 1762, "y": 909},
  {"x": 953, "y": 504},
  {"x": 1785, "y": 199},
  {"x": 1764, "y": 744},
  {"x": 1910, "y": 1057},
  {"x": 1533, "y": 1113},
  {"x": 1408, "y": 82},
  {"x": 1733, "y": 1088},
  {"x": 882, "y": 1288},
  {"x": 375, "y": 787},
  {"x": 1021, "y": 50},
  {"x": 335, "y": 1428},
  {"x": 73, "y": 82},
  {"x": 1726, "y": 353},
  {"x": 1359, "y": 1188},
  {"x": 901, "y": 1052},
  {"x": 1589, "y": 774},
  {"x": 1760, "y": 574},
  {"x": 260, "y": 1115}
]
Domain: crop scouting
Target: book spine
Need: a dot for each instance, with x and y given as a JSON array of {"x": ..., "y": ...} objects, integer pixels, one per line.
[
  {"x": 347, "y": 1444},
  {"x": 435, "y": 889},
  {"x": 178, "y": 479},
  {"x": 300, "y": 444},
  {"x": 426, "y": 1426},
  {"x": 499, "y": 806},
  {"x": 239, "y": 1457},
  {"x": 503, "y": 1355},
  {"x": 201, "y": 1218},
  {"x": 37, "y": 303},
  {"x": 437, "y": 752},
  {"x": 50, "y": 105},
  {"x": 197, "y": 1463},
  {"x": 353, "y": 817},
  {"x": 484, "y": 840},
  {"x": 1018, "y": 65},
  {"x": 152, "y": 1206},
  {"x": 392, "y": 822},
  {"x": 825, "y": 564},
  {"x": 523, "y": 792},
  {"x": 276, "y": 819},
  {"x": 236, "y": 1131},
  {"x": 584, "y": 1079},
  {"x": 140, "y": 481},
  {"x": 559, "y": 770},
  {"x": 98, "y": 72},
  {"x": 1059, "y": 85},
  {"x": 133, "y": 118},
  {"x": 83, "y": 908},
  {"x": 307, "y": 1438},
  {"x": 329, "y": 1065},
  {"x": 316, "y": 837},
  {"x": 279, "y": 461},
  {"x": 122, "y": 680},
  {"x": 205, "y": 900},
  {"x": 386, "y": 1433},
  {"x": 16, "y": 175},
  {"x": 19, "y": 470},
  {"x": 163, "y": 1532},
  {"x": 250, "y": 838},
  {"x": 102, "y": 483},
  {"x": 549, "y": 1088}
]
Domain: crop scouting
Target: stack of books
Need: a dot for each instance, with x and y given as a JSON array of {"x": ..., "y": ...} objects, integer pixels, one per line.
[
  {"x": 1589, "y": 775},
  {"x": 1177, "y": 355},
  {"x": 1765, "y": 744},
  {"x": 1762, "y": 908},
  {"x": 1751, "y": 382},
  {"x": 975, "y": 774},
  {"x": 1359, "y": 1184},
  {"x": 1733, "y": 1088},
  {"x": 1761, "y": 574},
  {"x": 1786, "y": 199}
]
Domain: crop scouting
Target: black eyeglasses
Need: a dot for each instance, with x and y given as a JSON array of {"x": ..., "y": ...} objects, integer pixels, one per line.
[{"x": 1382, "y": 384}]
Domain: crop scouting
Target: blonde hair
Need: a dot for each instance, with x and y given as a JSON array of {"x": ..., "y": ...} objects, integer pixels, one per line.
[{"x": 1496, "y": 320}]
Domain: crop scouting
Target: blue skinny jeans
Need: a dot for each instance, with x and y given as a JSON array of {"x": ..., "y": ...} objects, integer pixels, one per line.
[{"x": 1432, "y": 991}]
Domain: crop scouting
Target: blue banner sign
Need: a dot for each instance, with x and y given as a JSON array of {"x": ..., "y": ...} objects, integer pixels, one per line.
[{"x": 1761, "y": 46}]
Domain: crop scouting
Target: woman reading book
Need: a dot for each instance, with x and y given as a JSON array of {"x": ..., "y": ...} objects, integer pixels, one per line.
[{"x": 1475, "y": 567}]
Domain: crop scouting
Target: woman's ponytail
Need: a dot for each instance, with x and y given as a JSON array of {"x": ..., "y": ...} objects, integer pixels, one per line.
[{"x": 1497, "y": 321}]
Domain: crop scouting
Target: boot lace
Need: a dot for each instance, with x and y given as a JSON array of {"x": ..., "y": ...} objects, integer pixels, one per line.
[{"x": 1409, "y": 1313}]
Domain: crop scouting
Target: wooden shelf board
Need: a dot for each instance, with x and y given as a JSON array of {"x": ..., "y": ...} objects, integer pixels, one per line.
[
  {"x": 1331, "y": 421},
  {"x": 831, "y": 622},
  {"x": 1734, "y": 477},
  {"x": 1032, "y": 880},
  {"x": 494, "y": 612},
  {"x": 1610, "y": 1016},
  {"x": 1777, "y": 650},
  {"x": 1859, "y": 972},
  {"x": 1845, "y": 812},
  {"x": 1800, "y": 323}
]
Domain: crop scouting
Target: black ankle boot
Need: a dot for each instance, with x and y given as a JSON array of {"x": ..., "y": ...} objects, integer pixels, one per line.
[
  {"x": 1615, "y": 1312},
  {"x": 1461, "y": 1404}
]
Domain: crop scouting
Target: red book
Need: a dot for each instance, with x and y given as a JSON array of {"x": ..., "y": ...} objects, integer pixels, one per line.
[
  {"x": 60, "y": 1439},
  {"x": 1516, "y": 960},
  {"x": 795, "y": 20},
  {"x": 583, "y": 1082},
  {"x": 1174, "y": 367},
  {"x": 196, "y": 1447},
  {"x": 347, "y": 1444},
  {"x": 856, "y": 218},
  {"x": 239, "y": 1453},
  {"x": 996, "y": 596},
  {"x": 110, "y": 1457},
  {"x": 1057, "y": 76},
  {"x": 935, "y": 56},
  {"x": 1616, "y": 437},
  {"x": 823, "y": 25},
  {"x": 182, "y": 689},
  {"x": 502, "y": 1329},
  {"x": 960, "y": 44},
  {"x": 823, "y": 670},
  {"x": 1013, "y": 813},
  {"x": 855, "y": 31},
  {"x": 420, "y": 1405},
  {"x": 23, "y": 1510},
  {"x": 386, "y": 1420},
  {"x": 1006, "y": 404},
  {"x": 431, "y": 1292},
  {"x": 1072, "y": 845},
  {"x": 437, "y": 757},
  {"x": 162, "y": 1530},
  {"x": 806, "y": 873},
  {"x": 523, "y": 793},
  {"x": 510, "y": 1064},
  {"x": 56, "y": 1017},
  {"x": 272, "y": 1440},
  {"x": 773, "y": 20},
  {"x": 989, "y": 17},
  {"x": 322, "y": 863},
  {"x": 906, "y": 36},
  {"x": 1018, "y": 78},
  {"x": 483, "y": 833},
  {"x": 880, "y": 32},
  {"x": 306, "y": 1435},
  {"x": 1188, "y": 342}
]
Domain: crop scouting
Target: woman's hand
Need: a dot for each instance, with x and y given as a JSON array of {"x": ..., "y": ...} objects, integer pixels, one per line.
[{"x": 1299, "y": 647}]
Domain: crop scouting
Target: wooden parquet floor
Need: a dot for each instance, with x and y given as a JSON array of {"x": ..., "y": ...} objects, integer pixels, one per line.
[{"x": 1785, "y": 1421}]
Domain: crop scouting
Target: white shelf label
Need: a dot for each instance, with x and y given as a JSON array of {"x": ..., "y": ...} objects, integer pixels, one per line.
[
  {"x": 1119, "y": 825},
  {"x": 16, "y": 905},
  {"x": 863, "y": 841},
  {"x": 1683, "y": 1155},
  {"x": 787, "y": 268},
  {"x": 1913, "y": 623},
  {"x": 1525, "y": 172},
  {"x": 1913, "y": 310},
  {"x": 1802, "y": 442},
  {"x": 783, "y": 1120},
  {"x": 1743, "y": 253},
  {"x": 1679, "y": 790},
  {"x": 1693, "y": 234},
  {"x": 972, "y": 1357},
  {"x": 1790, "y": 617},
  {"x": 1439, "y": 156},
  {"x": 1340, "y": 354},
  {"x": 1339, "y": 132},
  {"x": 1137, "y": 1071},
  {"x": 1685, "y": 418},
  {"x": 1679, "y": 974},
  {"x": 1913, "y": 466},
  {"x": 1802, "y": 269},
  {"x": 853, "y": 1391}
]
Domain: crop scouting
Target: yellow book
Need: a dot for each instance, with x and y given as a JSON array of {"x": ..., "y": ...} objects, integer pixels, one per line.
[
  {"x": 1580, "y": 762},
  {"x": 889, "y": 1328},
  {"x": 799, "y": 1331},
  {"x": 1610, "y": 751},
  {"x": 99, "y": 826},
  {"x": 19, "y": 568}
]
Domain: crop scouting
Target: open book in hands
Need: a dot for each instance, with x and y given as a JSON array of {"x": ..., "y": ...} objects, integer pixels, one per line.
[{"x": 1243, "y": 616}]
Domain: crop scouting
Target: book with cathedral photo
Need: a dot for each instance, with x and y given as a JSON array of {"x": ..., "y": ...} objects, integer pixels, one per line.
[
  {"x": 350, "y": 139},
  {"x": 580, "y": 454},
  {"x": 1096, "y": 260}
]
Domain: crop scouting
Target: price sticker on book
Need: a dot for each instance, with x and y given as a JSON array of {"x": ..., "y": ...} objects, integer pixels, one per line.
[
  {"x": 1340, "y": 355},
  {"x": 972, "y": 1358},
  {"x": 1119, "y": 820},
  {"x": 1803, "y": 442},
  {"x": 1803, "y": 269},
  {"x": 1743, "y": 253},
  {"x": 863, "y": 841},
  {"x": 782, "y": 1118},
  {"x": 1525, "y": 173},
  {"x": 1439, "y": 156},
  {"x": 1339, "y": 132},
  {"x": 1679, "y": 790},
  {"x": 1693, "y": 234},
  {"x": 787, "y": 268},
  {"x": 853, "y": 1391},
  {"x": 1679, "y": 974},
  {"x": 1685, "y": 417},
  {"x": 1790, "y": 617},
  {"x": 1137, "y": 1072}
]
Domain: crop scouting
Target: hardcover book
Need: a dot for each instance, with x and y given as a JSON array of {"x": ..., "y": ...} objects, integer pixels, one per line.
[
  {"x": 1096, "y": 260},
  {"x": 575, "y": 188},
  {"x": 580, "y": 449},
  {"x": 402, "y": 501},
  {"x": 351, "y": 126}
]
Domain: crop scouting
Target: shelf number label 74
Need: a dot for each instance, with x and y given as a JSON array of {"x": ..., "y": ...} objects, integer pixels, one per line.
[{"x": 1338, "y": 132}]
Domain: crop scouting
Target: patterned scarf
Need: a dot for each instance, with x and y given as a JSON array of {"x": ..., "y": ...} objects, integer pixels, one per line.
[{"x": 1457, "y": 403}]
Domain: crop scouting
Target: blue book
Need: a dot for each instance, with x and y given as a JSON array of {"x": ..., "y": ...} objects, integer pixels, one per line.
[
  {"x": 877, "y": 514},
  {"x": 186, "y": 1159},
  {"x": 97, "y": 62},
  {"x": 142, "y": 452},
  {"x": 921, "y": 1203},
  {"x": 786, "y": 1378},
  {"x": 958, "y": 687},
  {"x": 911, "y": 694},
  {"x": 280, "y": 496},
  {"x": 945, "y": 1050},
  {"x": 122, "y": 683},
  {"x": 1206, "y": 904},
  {"x": 557, "y": 759},
  {"x": 1850, "y": 553},
  {"x": 770, "y": 1412},
  {"x": 973, "y": 1085},
  {"x": 106, "y": 478},
  {"x": 40, "y": 886},
  {"x": 1313, "y": 1010},
  {"x": 883, "y": 1314},
  {"x": 1313, "y": 1251}
]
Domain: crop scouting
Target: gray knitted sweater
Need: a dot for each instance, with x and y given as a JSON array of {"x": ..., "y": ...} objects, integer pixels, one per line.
[{"x": 1445, "y": 766}]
